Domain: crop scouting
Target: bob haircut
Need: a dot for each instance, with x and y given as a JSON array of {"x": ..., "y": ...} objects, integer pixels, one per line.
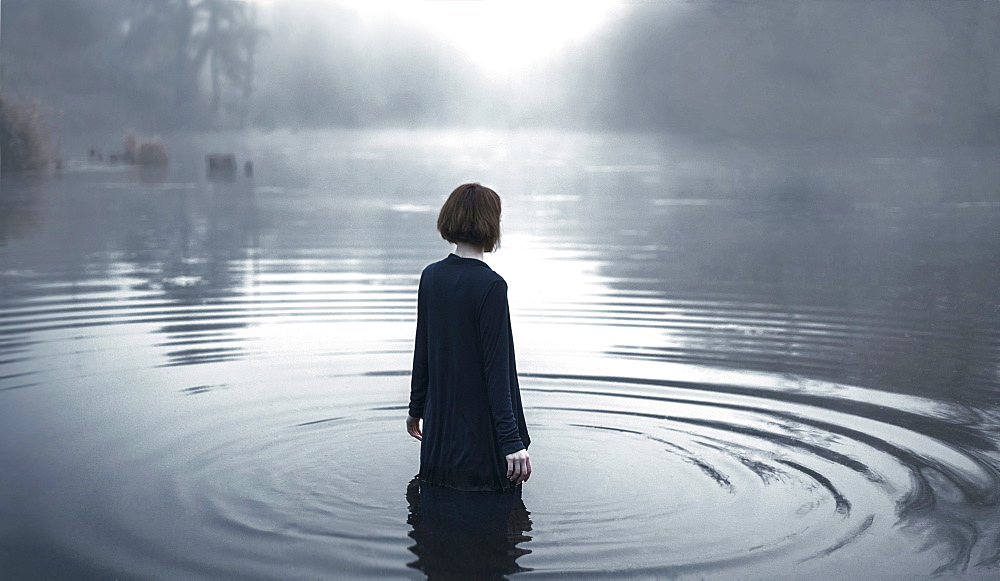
[{"x": 471, "y": 214}]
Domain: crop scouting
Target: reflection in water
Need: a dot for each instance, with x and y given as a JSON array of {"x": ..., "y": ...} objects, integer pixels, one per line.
[
  {"x": 466, "y": 535},
  {"x": 211, "y": 249},
  {"x": 849, "y": 272},
  {"x": 152, "y": 174},
  {"x": 20, "y": 197},
  {"x": 779, "y": 361}
]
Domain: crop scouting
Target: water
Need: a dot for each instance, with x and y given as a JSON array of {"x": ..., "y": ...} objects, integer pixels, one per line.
[{"x": 736, "y": 362}]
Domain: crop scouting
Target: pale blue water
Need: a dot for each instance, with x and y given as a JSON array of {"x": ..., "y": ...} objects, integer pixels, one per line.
[{"x": 737, "y": 362}]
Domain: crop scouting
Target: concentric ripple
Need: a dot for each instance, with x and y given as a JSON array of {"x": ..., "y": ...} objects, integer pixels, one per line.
[
  {"x": 210, "y": 382},
  {"x": 290, "y": 458}
]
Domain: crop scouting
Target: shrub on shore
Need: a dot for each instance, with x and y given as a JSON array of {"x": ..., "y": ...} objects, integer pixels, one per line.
[
  {"x": 151, "y": 153},
  {"x": 24, "y": 138},
  {"x": 140, "y": 152}
]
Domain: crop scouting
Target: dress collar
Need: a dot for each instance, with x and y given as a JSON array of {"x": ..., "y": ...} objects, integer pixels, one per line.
[{"x": 456, "y": 258}]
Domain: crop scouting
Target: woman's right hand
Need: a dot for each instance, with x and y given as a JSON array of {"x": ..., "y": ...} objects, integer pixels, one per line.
[
  {"x": 518, "y": 466},
  {"x": 413, "y": 427}
]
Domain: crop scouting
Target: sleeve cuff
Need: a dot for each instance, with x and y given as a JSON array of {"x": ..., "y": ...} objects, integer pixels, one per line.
[{"x": 511, "y": 447}]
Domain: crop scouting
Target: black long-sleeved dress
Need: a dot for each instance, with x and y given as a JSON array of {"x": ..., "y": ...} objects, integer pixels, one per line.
[{"x": 464, "y": 382}]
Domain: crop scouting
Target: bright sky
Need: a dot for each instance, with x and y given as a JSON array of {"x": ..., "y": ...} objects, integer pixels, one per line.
[{"x": 502, "y": 36}]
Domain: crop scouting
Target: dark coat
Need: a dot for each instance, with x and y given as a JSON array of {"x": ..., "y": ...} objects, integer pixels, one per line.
[{"x": 464, "y": 382}]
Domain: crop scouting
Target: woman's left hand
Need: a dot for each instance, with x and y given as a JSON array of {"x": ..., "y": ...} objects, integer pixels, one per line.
[
  {"x": 518, "y": 466},
  {"x": 413, "y": 427}
]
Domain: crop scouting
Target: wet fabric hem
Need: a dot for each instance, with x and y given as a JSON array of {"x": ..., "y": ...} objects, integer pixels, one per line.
[{"x": 482, "y": 488}]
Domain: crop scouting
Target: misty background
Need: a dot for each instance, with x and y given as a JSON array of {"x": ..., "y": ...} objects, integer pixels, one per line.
[
  {"x": 836, "y": 70},
  {"x": 751, "y": 247}
]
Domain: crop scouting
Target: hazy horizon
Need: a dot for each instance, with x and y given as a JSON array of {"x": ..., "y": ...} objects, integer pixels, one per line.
[{"x": 812, "y": 71}]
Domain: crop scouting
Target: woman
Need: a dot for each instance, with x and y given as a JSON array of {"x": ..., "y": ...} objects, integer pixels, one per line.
[{"x": 464, "y": 386}]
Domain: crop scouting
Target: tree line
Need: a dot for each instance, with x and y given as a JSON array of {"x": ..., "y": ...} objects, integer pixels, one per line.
[
  {"x": 812, "y": 70},
  {"x": 109, "y": 63}
]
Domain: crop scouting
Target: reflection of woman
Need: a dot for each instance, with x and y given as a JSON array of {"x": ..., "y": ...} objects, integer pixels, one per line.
[
  {"x": 464, "y": 386},
  {"x": 467, "y": 535}
]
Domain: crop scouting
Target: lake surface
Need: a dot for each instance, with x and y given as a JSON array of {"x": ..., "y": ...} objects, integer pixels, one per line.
[{"x": 773, "y": 362}]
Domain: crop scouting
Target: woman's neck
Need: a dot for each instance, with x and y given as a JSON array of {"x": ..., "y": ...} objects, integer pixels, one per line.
[{"x": 468, "y": 251}]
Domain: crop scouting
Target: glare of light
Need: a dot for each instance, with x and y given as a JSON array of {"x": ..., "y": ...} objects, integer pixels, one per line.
[{"x": 503, "y": 37}]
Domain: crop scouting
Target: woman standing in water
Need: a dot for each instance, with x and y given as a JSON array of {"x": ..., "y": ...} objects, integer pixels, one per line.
[{"x": 464, "y": 388}]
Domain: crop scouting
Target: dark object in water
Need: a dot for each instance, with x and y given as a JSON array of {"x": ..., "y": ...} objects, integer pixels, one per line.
[
  {"x": 131, "y": 148},
  {"x": 95, "y": 154},
  {"x": 248, "y": 169},
  {"x": 220, "y": 165},
  {"x": 150, "y": 153}
]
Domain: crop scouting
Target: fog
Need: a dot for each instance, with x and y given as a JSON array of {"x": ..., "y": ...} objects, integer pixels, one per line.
[
  {"x": 750, "y": 245},
  {"x": 834, "y": 70},
  {"x": 870, "y": 71}
]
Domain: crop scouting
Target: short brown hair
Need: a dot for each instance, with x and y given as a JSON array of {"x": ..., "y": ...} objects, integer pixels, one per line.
[{"x": 471, "y": 214}]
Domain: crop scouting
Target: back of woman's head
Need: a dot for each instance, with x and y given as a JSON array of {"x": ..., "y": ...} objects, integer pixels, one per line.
[{"x": 471, "y": 214}]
